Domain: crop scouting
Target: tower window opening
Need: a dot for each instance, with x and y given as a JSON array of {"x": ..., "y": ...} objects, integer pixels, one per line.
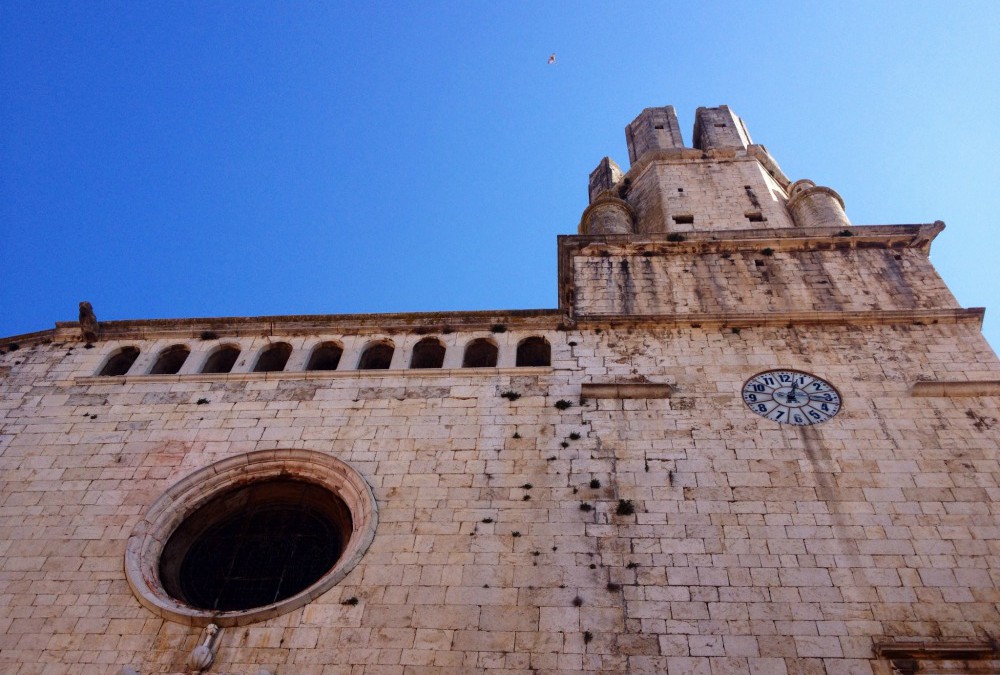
[
  {"x": 222, "y": 360},
  {"x": 325, "y": 356},
  {"x": 534, "y": 351},
  {"x": 480, "y": 353},
  {"x": 273, "y": 359},
  {"x": 755, "y": 217},
  {"x": 685, "y": 219},
  {"x": 428, "y": 353},
  {"x": 170, "y": 360},
  {"x": 376, "y": 357},
  {"x": 120, "y": 362}
]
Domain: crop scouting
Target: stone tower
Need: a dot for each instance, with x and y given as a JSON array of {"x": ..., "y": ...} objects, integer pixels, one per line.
[{"x": 751, "y": 438}]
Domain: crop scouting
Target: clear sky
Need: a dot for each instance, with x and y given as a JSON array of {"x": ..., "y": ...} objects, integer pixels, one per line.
[{"x": 180, "y": 159}]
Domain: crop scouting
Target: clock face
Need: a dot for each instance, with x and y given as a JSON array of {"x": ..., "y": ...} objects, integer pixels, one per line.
[{"x": 791, "y": 397}]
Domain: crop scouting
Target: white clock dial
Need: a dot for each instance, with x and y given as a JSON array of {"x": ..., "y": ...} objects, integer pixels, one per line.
[{"x": 791, "y": 397}]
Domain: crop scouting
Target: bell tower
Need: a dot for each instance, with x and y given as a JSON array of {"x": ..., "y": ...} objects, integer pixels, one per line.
[
  {"x": 723, "y": 182},
  {"x": 717, "y": 231}
]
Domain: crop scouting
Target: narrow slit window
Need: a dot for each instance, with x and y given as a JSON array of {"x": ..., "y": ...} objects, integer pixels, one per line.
[{"x": 684, "y": 219}]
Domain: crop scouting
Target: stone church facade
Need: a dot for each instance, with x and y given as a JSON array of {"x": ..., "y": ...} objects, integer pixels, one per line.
[{"x": 751, "y": 438}]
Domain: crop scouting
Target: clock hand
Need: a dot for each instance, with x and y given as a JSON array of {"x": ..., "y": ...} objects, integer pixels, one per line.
[{"x": 791, "y": 395}]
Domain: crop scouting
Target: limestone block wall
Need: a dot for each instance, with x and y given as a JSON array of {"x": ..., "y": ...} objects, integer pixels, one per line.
[
  {"x": 717, "y": 194},
  {"x": 753, "y": 547},
  {"x": 752, "y": 281}
]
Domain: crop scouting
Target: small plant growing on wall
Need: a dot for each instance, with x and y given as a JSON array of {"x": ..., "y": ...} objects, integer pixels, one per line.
[
  {"x": 625, "y": 507},
  {"x": 209, "y": 335},
  {"x": 510, "y": 395},
  {"x": 768, "y": 251},
  {"x": 562, "y": 404},
  {"x": 498, "y": 328},
  {"x": 675, "y": 237}
]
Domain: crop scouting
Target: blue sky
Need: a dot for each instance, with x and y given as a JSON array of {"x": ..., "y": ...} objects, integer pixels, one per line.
[{"x": 248, "y": 158}]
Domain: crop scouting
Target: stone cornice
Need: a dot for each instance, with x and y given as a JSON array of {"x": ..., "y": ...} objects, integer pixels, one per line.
[
  {"x": 622, "y": 390},
  {"x": 753, "y": 153},
  {"x": 343, "y": 324},
  {"x": 953, "y": 388},
  {"x": 361, "y": 375},
  {"x": 917, "y": 236},
  {"x": 922, "y": 317}
]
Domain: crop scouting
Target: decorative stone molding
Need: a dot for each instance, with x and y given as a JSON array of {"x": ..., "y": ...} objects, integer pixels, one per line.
[
  {"x": 953, "y": 388},
  {"x": 912, "y": 656},
  {"x": 203, "y": 655},
  {"x": 150, "y": 535},
  {"x": 590, "y": 390}
]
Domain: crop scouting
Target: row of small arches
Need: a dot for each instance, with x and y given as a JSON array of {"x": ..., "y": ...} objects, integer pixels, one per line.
[{"x": 427, "y": 353}]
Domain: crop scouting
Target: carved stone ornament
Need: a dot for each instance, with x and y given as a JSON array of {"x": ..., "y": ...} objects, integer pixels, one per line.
[
  {"x": 202, "y": 656},
  {"x": 88, "y": 322}
]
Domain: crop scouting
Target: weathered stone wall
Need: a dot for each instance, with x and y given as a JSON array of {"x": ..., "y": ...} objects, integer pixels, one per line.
[
  {"x": 756, "y": 280},
  {"x": 713, "y": 192},
  {"x": 620, "y": 510},
  {"x": 755, "y": 547}
]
